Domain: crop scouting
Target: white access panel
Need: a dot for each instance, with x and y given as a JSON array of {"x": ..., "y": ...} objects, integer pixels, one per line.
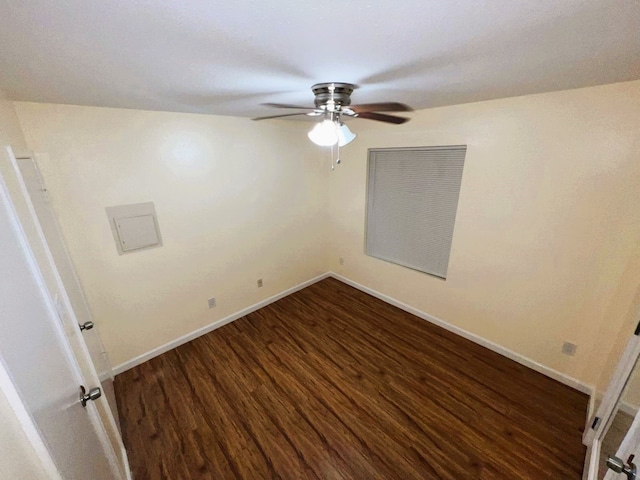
[
  {"x": 137, "y": 232},
  {"x": 135, "y": 227}
]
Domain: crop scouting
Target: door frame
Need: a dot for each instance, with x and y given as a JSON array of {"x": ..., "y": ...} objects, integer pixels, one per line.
[
  {"x": 599, "y": 423},
  {"x": 630, "y": 444}
]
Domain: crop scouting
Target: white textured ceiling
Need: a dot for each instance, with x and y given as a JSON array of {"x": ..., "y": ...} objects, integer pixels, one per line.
[{"x": 228, "y": 57}]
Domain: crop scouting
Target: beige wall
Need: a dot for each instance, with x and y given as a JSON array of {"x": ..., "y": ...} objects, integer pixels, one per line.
[
  {"x": 18, "y": 460},
  {"x": 547, "y": 221},
  {"x": 17, "y": 457},
  {"x": 10, "y": 131},
  {"x": 546, "y": 246},
  {"x": 236, "y": 201},
  {"x": 546, "y": 227}
]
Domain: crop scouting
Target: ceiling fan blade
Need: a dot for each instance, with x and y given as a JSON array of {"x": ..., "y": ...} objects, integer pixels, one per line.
[
  {"x": 381, "y": 117},
  {"x": 311, "y": 114},
  {"x": 285, "y": 105},
  {"x": 381, "y": 107}
]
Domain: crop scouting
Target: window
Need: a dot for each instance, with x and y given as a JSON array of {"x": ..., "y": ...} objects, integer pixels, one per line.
[{"x": 412, "y": 198}]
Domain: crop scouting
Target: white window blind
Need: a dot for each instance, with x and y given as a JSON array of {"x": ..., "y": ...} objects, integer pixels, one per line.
[{"x": 412, "y": 198}]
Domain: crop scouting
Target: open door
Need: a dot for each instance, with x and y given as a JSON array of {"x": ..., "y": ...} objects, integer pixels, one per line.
[
  {"x": 37, "y": 197},
  {"x": 42, "y": 232},
  {"x": 613, "y": 432},
  {"x": 38, "y": 368}
]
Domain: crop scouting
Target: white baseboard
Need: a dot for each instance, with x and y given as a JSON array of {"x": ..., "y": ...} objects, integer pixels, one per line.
[
  {"x": 123, "y": 367},
  {"x": 527, "y": 362}
]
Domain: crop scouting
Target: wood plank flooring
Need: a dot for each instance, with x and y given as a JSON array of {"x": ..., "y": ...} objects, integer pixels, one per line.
[{"x": 331, "y": 383}]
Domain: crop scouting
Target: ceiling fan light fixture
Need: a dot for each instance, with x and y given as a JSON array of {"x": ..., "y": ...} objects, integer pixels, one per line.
[
  {"x": 324, "y": 134},
  {"x": 345, "y": 135}
]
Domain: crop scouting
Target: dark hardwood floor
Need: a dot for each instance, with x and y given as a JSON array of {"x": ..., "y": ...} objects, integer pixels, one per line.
[{"x": 331, "y": 383}]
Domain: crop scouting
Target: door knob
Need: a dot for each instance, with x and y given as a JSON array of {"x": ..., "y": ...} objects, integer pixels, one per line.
[
  {"x": 86, "y": 326},
  {"x": 617, "y": 465},
  {"x": 94, "y": 394}
]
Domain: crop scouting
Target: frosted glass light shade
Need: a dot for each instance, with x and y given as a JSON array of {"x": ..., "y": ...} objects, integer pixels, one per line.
[
  {"x": 344, "y": 134},
  {"x": 324, "y": 134}
]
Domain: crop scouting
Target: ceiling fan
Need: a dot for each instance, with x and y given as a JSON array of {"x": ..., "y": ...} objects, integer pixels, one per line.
[{"x": 333, "y": 104}]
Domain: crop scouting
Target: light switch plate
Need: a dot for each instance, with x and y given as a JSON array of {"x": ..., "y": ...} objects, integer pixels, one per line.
[{"x": 569, "y": 348}]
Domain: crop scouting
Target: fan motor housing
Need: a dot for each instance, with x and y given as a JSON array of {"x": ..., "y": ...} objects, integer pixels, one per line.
[{"x": 338, "y": 93}]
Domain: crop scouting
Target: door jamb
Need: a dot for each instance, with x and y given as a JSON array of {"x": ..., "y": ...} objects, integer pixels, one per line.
[{"x": 601, "y": 420}]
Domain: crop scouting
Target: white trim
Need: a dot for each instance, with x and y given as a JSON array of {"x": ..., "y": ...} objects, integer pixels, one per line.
[
  {"x": 527, "y": 362},
  {"x": 123, "y": 367},
  {"x": 591, "y": 460},
  {"x": 521, "y": 359}
]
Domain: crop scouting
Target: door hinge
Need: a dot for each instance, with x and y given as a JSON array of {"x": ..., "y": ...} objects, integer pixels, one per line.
[{"x": 596, "y": 422}]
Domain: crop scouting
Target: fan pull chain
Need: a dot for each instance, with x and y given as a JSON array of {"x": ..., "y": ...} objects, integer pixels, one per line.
[
  {"x": 338, "y": 161},
  {"x": 332, "y": 166}
]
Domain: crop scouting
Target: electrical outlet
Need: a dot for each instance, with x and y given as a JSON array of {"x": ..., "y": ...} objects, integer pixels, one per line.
[
  {"x": 569, "y": 348},
  {"x": 341, "y": 260},
  {"x": 212, "y": 302},
  {"x": 259, "y": 282}
]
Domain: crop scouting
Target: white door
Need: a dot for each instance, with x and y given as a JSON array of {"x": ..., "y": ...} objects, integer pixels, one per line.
[
  {"x": 37, "y": 217},
  {"x": 612, "y": 431},
  {"x": 38, "y": 196},
  {"x": 36, "y": 354}
]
